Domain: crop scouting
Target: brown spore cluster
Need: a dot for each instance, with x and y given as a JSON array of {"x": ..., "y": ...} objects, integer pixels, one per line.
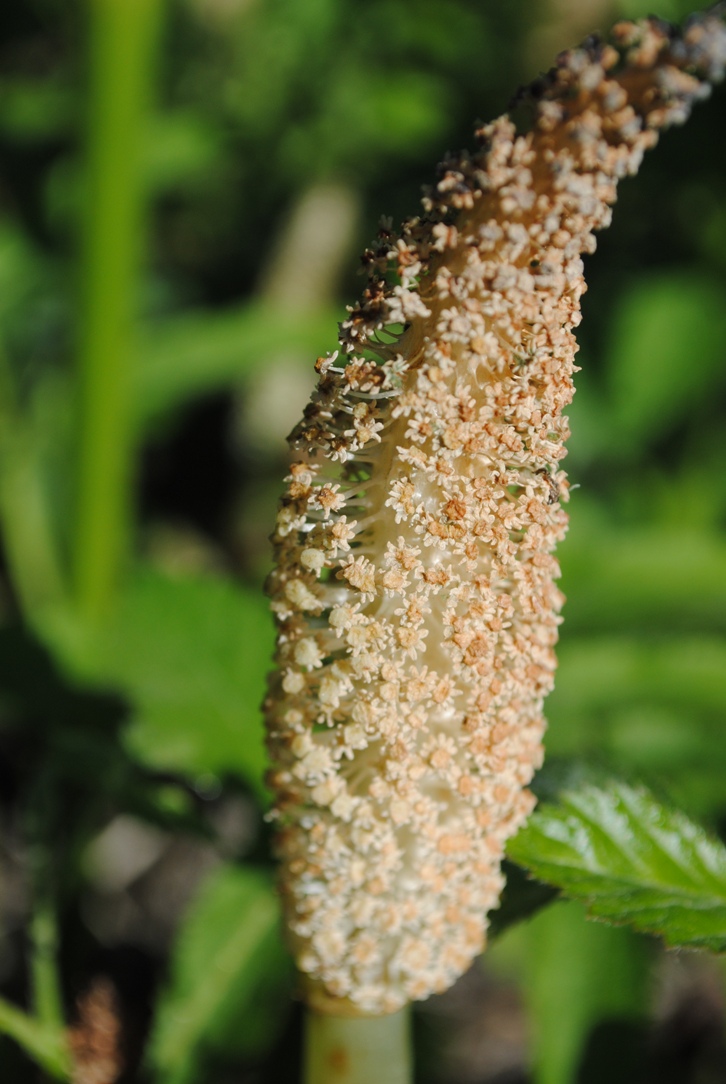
[{"x": 415, "y": 583}]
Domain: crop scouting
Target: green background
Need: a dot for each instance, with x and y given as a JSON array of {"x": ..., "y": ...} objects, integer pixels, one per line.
[{"x": 184, "y": 189}]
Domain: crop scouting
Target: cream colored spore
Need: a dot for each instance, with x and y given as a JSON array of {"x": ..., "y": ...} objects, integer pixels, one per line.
[{"x": 415, "y": 588}]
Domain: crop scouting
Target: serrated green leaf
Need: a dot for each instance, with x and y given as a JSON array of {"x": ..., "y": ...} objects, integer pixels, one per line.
[
  {"x": 228, "y": 976},
  {"x": 520, "y": 899},
  {"x": 632, "y": 861},
  {"x": 190, "y": 654}
]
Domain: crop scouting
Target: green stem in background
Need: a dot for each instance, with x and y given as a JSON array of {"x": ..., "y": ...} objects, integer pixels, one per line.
[
  {"x": 43, "y": 863},
  {"x": 581, "y": 974},
  {"x": 122, "y": 35},
  {"x": 42, "y": 1035},
  {"x": 27, "y": 533},
  {"x": 44, "y": 967},
  {"x": 45, "y": 1045},
  {"x": 357, "y": 1049},
  {"x": 29, "y": 544}
]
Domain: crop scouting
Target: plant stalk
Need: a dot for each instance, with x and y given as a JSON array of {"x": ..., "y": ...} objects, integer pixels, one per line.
[
  {"x": 357, "y": 1049},
  {"x": 43, "y": 860},
  {"x": 122, "y": 35},
  {"x": 30, "y": 547},
  {"x": 47, "y": 1046},
  {"x": 44, "y": 966}
]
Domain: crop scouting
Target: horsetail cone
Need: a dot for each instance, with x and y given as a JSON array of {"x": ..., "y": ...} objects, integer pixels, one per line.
[{"x": 415, "y": 583}]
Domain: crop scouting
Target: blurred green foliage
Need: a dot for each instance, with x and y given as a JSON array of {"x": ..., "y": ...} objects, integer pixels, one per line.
[
  {"x": 604, "y": 978},
  {"x": 194, "y": 689},
  {"x": 633, "y": 861},
  {"x": 229, "y": 977},
  {"x": 137, "y": 694}
]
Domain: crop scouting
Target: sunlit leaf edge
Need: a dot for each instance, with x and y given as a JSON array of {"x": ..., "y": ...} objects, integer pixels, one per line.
[{"x": 631, "y": 861}]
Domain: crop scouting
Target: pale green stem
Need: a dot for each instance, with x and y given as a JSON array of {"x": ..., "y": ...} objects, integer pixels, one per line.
[
  {"x": 45, "y": 987},
  {"x": 47, "y": 1000},
  {"x": 30, "y": 547},
  {"x": 27, "y": 532},
  {"x": 122, "y": 35},
  {"x": 357, "y": 1049},
  {"x": 45, "y": 1045},
  {"x": 578, "y": 974}
]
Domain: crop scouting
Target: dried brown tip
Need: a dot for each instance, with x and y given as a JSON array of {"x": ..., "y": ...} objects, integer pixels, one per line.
[{"x": 95, "y": 1040}]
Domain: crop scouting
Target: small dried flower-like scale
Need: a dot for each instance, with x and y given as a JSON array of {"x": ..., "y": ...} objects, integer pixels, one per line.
[{"x": 415, "y": 583}]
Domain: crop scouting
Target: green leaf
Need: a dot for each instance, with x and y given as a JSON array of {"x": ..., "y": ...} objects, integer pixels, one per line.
[
  {"x": 615, "y": 579},
  {"x": 631, "y": 861},
  {"x": 44, "y": 1043},
  {"x": 229, "y": 977},
  {"x": 205, "y": 351},
  {"x": 182, "y": 147},
  {"x": 650, "y": 703},
  {"x": 32, "y": 486},
  {"x": 36, "y": 110},
  {"x": 521, "y": 898},
  {"x": 665, "y": 354},
  {"x": 600, "y": 672},
  {"x": 579, "y": 974},
  {"x": 675, "y": 10},
  {"x": 190, "y": 654}
]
